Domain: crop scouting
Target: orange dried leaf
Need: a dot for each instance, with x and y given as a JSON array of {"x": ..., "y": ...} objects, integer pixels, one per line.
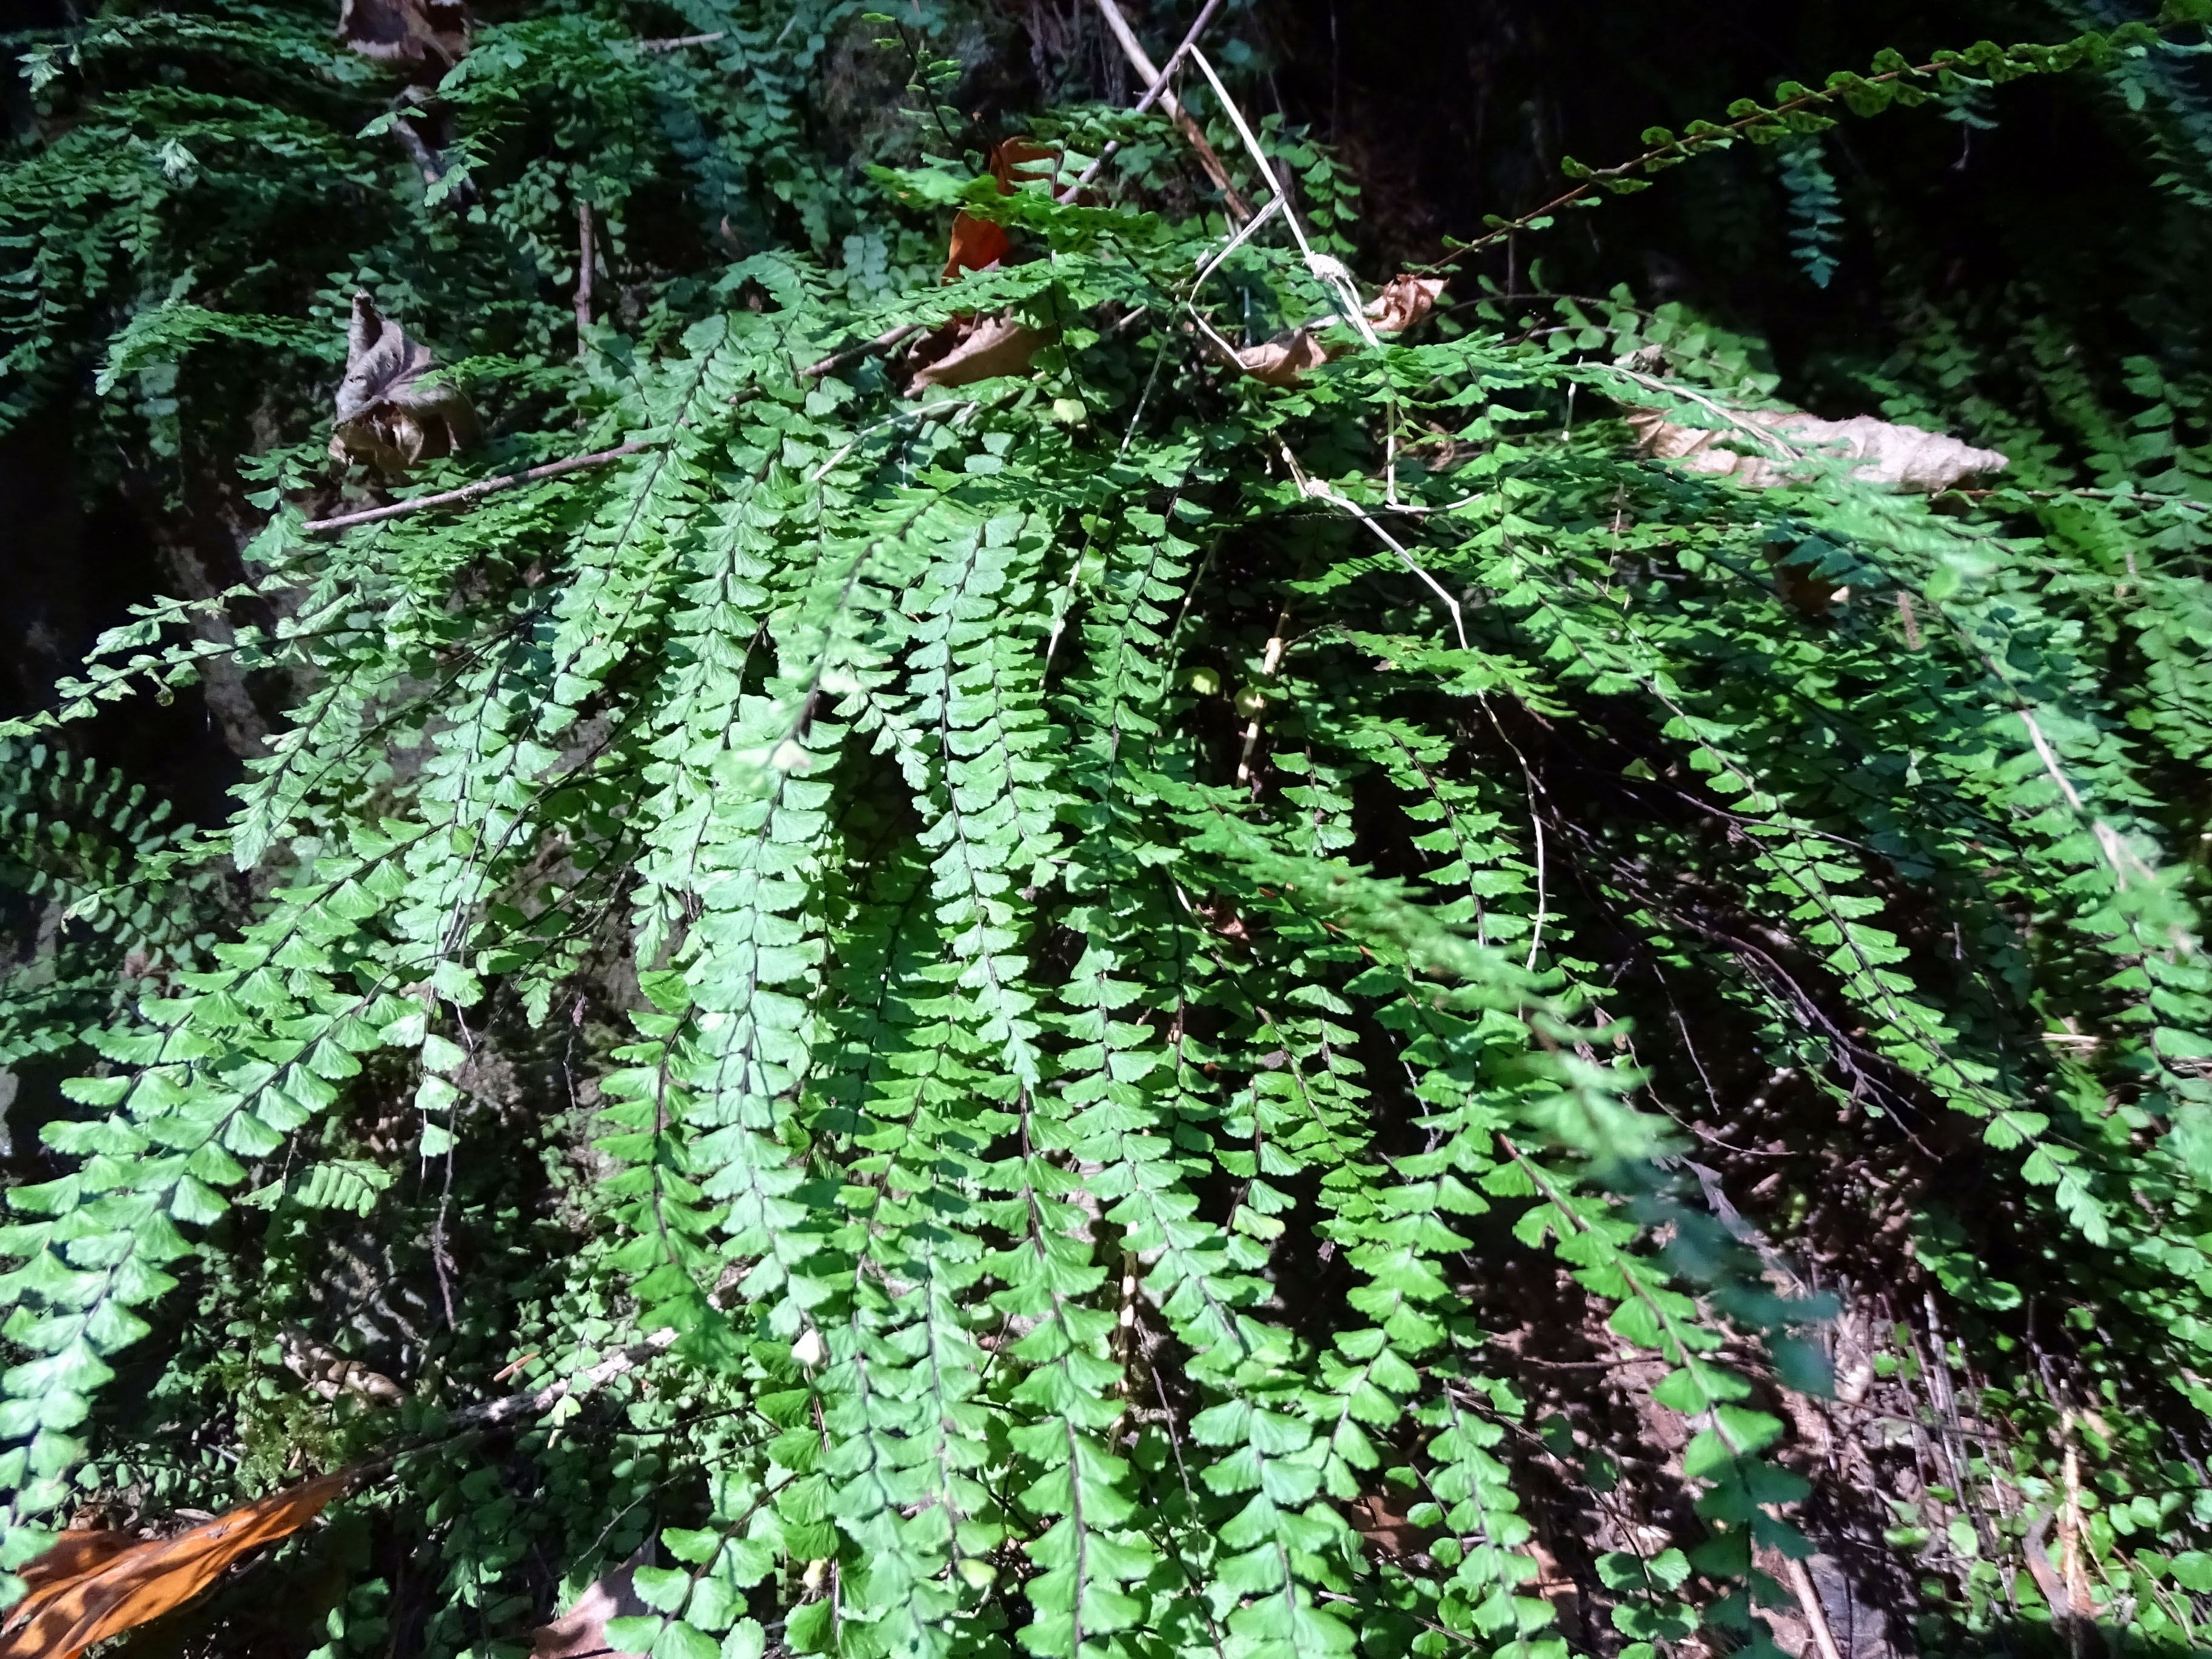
[
  {"x": 1404, "y": 300},
  {"x": 977, "y": 244},
  {"x": 971, "y": 348},
  {"x": 1016, "y": 160},
  {"x": 83, "y": 1591}
]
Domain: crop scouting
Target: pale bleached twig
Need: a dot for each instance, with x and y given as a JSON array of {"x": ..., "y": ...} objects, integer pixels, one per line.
[
  {"x": 677, "y": 42},
  {"x": 493, "y": 1412},
  {"x": 1239, "y": 210},
  {"x": 2116, "y": 851},
  {"x": 1274, "y": 205},
  {"x": 1318, "y": 489},
  {"x": 1536, "y": 823},
  {"x": 1327, "y": 268},
  {"x": 586, "y": 254},
  {"x": 1153, "y": 93}
]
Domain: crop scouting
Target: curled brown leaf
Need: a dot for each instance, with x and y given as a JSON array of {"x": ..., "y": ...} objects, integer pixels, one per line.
[
  {"x": 1404, "y": 300},
  {"x": 970, "y": 348},
  {"x": 1284, "y": 360},
  {"x": 388, "y": 414},
  {"x": 330, "y": 1373}
]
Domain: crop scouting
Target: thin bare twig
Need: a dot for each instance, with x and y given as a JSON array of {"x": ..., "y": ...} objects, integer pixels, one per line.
[
  {"x": 2116, "y": 851},
  {"x": 927, "y": 412},
  {"x": 492, "y": 1412},
  {"x": 2125, "y": 497},
  {"x": 1809, "y": 1603},
  {"x": 1239, "y": 210},
  {"x": 1320, "y": 490},
  {"x": 1327, "y": 268},
  {"x": 883, "y": 342},
  {"x": 677, "y": 42},
  {"x": 468, "y": 493},
  {"x": 1675, "y": 150},
  {"x": 1153, "y": 93}
]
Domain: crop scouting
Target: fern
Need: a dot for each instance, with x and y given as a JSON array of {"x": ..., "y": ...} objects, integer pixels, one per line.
[
  {"x": 995, "y": 993},
  {"x": 1815, "y": 209}
]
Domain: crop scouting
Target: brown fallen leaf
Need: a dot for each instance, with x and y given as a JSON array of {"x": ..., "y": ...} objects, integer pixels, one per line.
[
  {"x": 1404, "y": 300},
  {"x": 93, "y": 1585},
  {"x": 387, "y": 414},
  {"x": 971, "y": 348},
  {"x": 1283, "y": 359},
  {"x": 1900, "y": 457},
  {"x": 424, "y": 37},
  {"x": 581, "y": 1633},
  {"x": 979, "y": 244}
]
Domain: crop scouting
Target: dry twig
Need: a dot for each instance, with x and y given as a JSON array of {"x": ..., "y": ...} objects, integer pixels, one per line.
[
  {"x": 1239, "y": 209},
  {"x": 468, "y": 493},
  {"x": 837, "y": 360},
  {"x": 1153, "y": 93}
]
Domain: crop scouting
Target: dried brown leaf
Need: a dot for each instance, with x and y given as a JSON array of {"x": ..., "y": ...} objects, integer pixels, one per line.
[
  {"x": 388, "y": 415},
  {"x": 93, "y": 1585},
  {"x": 1283, "y": 360},
  {"x": 1899, "y": 457},
  {"x": 581, "y": 1633},
  {"x": 1404, "y": 300},
  {"x": 424, "y": 37},
  {"x": 971, "y": 348},
  {"x": 979, "y": 244}
]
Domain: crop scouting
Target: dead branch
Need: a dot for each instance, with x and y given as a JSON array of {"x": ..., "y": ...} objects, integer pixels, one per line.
[
  {"x": 1154, "y": 93},
  {"x": 1809, "y": 1603},
  {"x": 883, "y": 342},
  {"x": 1239, "y": 209},
  {"x": 470, "y": 492}
]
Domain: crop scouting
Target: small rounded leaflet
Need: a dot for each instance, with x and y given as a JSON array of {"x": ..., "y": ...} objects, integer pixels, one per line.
[{"x": 93, "y": 1585}]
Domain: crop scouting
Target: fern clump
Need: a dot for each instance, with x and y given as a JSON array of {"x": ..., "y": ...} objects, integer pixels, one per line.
[{"x": 1092, "y": 956}]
